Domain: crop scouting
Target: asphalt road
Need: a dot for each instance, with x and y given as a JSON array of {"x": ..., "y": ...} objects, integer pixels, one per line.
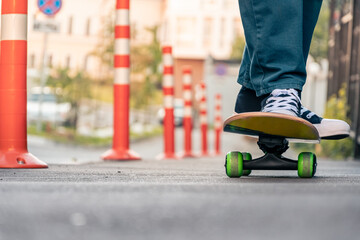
[{"x": 178, "y": 199}]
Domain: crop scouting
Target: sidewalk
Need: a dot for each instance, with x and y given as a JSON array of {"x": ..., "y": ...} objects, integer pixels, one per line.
[{"x": 54, "y": 153}]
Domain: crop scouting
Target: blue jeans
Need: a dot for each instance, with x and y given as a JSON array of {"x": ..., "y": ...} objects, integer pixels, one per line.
[{"x": 278, "y": 35}]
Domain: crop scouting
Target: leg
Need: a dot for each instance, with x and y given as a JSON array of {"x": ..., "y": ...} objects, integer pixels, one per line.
[
  {"x": 247, "y": 101},
  {"x": 310, "y": 16},
  {"x": 274, "y": 38},
  {"x": 311, "y": 10}
]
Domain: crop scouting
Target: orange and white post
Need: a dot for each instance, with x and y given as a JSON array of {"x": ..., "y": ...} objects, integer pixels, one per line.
[
  {"x": 13, "y": 129},
  {"x": 203, "y": 120},
  {"x": 120, "y": 148},
  {"x": 218, "y": 124},
  {"x": 187, "y": 121},
  {"x": 168, "y": 92}
]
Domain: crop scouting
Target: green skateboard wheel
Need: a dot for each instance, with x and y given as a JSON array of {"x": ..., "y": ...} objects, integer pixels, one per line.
[
  {"x": 234, "y": 164},
  {"x": 306, "y": 165},
  {"x": 246, "y": 157}
]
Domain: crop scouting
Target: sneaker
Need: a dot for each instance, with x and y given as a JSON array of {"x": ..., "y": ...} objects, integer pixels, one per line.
[
  {"x": 328, "y": 128},
  {"x": 284, "y": 101},
  {"x": 247, "y": 101}
]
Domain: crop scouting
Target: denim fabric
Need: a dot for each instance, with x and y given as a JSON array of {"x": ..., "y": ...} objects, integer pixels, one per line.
[{"x": 278, "y": 35}]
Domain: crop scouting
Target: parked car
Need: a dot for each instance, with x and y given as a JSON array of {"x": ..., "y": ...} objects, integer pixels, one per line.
[
  {"x": 51, "y": 110},
  {"x": 178, "y": 113}
]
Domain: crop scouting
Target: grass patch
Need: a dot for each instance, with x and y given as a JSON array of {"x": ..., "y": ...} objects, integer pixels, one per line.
[
  {"x": 103, "y": 93},
  {"x": 68, "y": 136}
]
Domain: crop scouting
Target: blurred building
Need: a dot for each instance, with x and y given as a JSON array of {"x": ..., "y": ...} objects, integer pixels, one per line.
[
  {"x": 81, "y": 24},
  {"x": 196, "y": 29},
  {"x": 199, "y": 28},
  {"x": 201, "y": 33}
]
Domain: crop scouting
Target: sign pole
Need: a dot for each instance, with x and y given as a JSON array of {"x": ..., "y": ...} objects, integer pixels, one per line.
[
  {"x": 42, "y": 80},
  {"x": 49, "y": 8}
]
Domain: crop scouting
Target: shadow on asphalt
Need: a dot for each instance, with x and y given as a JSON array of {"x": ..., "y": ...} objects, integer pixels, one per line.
[{"x": 277, "y": 179}]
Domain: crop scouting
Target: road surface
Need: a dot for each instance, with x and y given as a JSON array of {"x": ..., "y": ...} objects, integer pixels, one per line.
[{"x": 82, "y": 197}]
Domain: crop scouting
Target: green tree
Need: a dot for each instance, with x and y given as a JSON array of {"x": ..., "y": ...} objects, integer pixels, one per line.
[
  {"x": 104, "y": 50},
  {"x": 238, "y": 48},
  {"x": 72, "y": 87},
  {"x": 146, "y": 61},
  {"x": 319, "y": 43}
]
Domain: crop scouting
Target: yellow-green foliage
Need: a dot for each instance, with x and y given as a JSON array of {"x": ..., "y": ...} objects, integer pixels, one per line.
[{"x": 336, "y": 108}]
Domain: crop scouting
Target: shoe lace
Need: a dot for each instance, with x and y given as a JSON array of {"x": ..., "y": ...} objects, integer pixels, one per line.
[
  {"x": 280, "y": 99},
  {"x": 304, "y": 112}
]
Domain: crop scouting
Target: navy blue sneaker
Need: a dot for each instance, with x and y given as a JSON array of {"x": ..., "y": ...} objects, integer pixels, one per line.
[{"x": 247, "y": 101}]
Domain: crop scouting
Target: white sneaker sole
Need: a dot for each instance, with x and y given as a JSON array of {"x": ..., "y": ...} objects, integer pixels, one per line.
[{"x": 332, "y": 129}]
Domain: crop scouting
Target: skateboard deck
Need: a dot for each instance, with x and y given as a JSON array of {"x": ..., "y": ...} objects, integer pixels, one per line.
[
  {"x": 273, "y": 124},
  {"x": 274, "y": 132}
]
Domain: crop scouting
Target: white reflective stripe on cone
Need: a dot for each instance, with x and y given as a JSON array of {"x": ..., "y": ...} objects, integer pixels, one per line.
[
  {"x": 14, "y": 27},
  {"x": 122, "y": 75},
  {"x": 122, "y": 17},
  {"x": 203, "y": 119},
  {"x": 187, "y": 95},
  {"x": 187, "y": 111},
  {"x": 168, "y": 101},
  {"x": 122, "y": 46},
  {"x": 218, "y": 125},
  {"x": 167, "y": 60},
  {"x": 203, "y": 105},
  {"x": 168, "y": 80},
  {"x": 187, "y": 79}
]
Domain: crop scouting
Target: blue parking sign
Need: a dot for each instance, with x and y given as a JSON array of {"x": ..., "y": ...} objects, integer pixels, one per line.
[{"x": 49, "y": 7}]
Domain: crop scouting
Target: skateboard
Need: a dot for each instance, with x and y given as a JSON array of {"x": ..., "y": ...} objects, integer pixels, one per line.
[{"x": 274, "y": 131}]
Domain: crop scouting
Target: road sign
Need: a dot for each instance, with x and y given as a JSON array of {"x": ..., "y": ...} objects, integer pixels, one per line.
[
  {"x": 47, "y": 26},
  {"x": 220, "y": 69},
  {"x": 49, "y": 7}
]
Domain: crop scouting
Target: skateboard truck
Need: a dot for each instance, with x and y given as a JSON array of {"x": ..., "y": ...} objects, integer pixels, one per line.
[
  {"x": 276, "y": 145},
  {"x": 239, "y": 164},
  {"x": 273, "y": 147}
]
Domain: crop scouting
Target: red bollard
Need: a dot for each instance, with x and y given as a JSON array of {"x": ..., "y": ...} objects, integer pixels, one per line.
[
  {"x": 203, "y": 120},
  {"x": 218, "y": 124},
  {"x": 13, "y": 128},
  {"x": 187, "y": 121},
  {"x": 120, "y": 148},
  {"x": 168, "y": 91}
]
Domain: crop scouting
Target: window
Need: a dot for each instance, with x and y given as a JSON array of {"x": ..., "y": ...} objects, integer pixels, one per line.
[
  {"x": 230, "y": 5},
  {"x": 50, "y": 60},
  {"x": 208, "y": 4},
  {"x": 208, "y": 27},
  {"x": 222, "y": 31},
  {"x": 32, "y": 61},
  {"x": 68, "y": 62},
  {"x": 70, "y": 26},
  {"x": 238, "y": 28},
  {"x": 186, "y": 31},
  {"x": 88, "y": 29},
  {"x": 86, "y": 60}
]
